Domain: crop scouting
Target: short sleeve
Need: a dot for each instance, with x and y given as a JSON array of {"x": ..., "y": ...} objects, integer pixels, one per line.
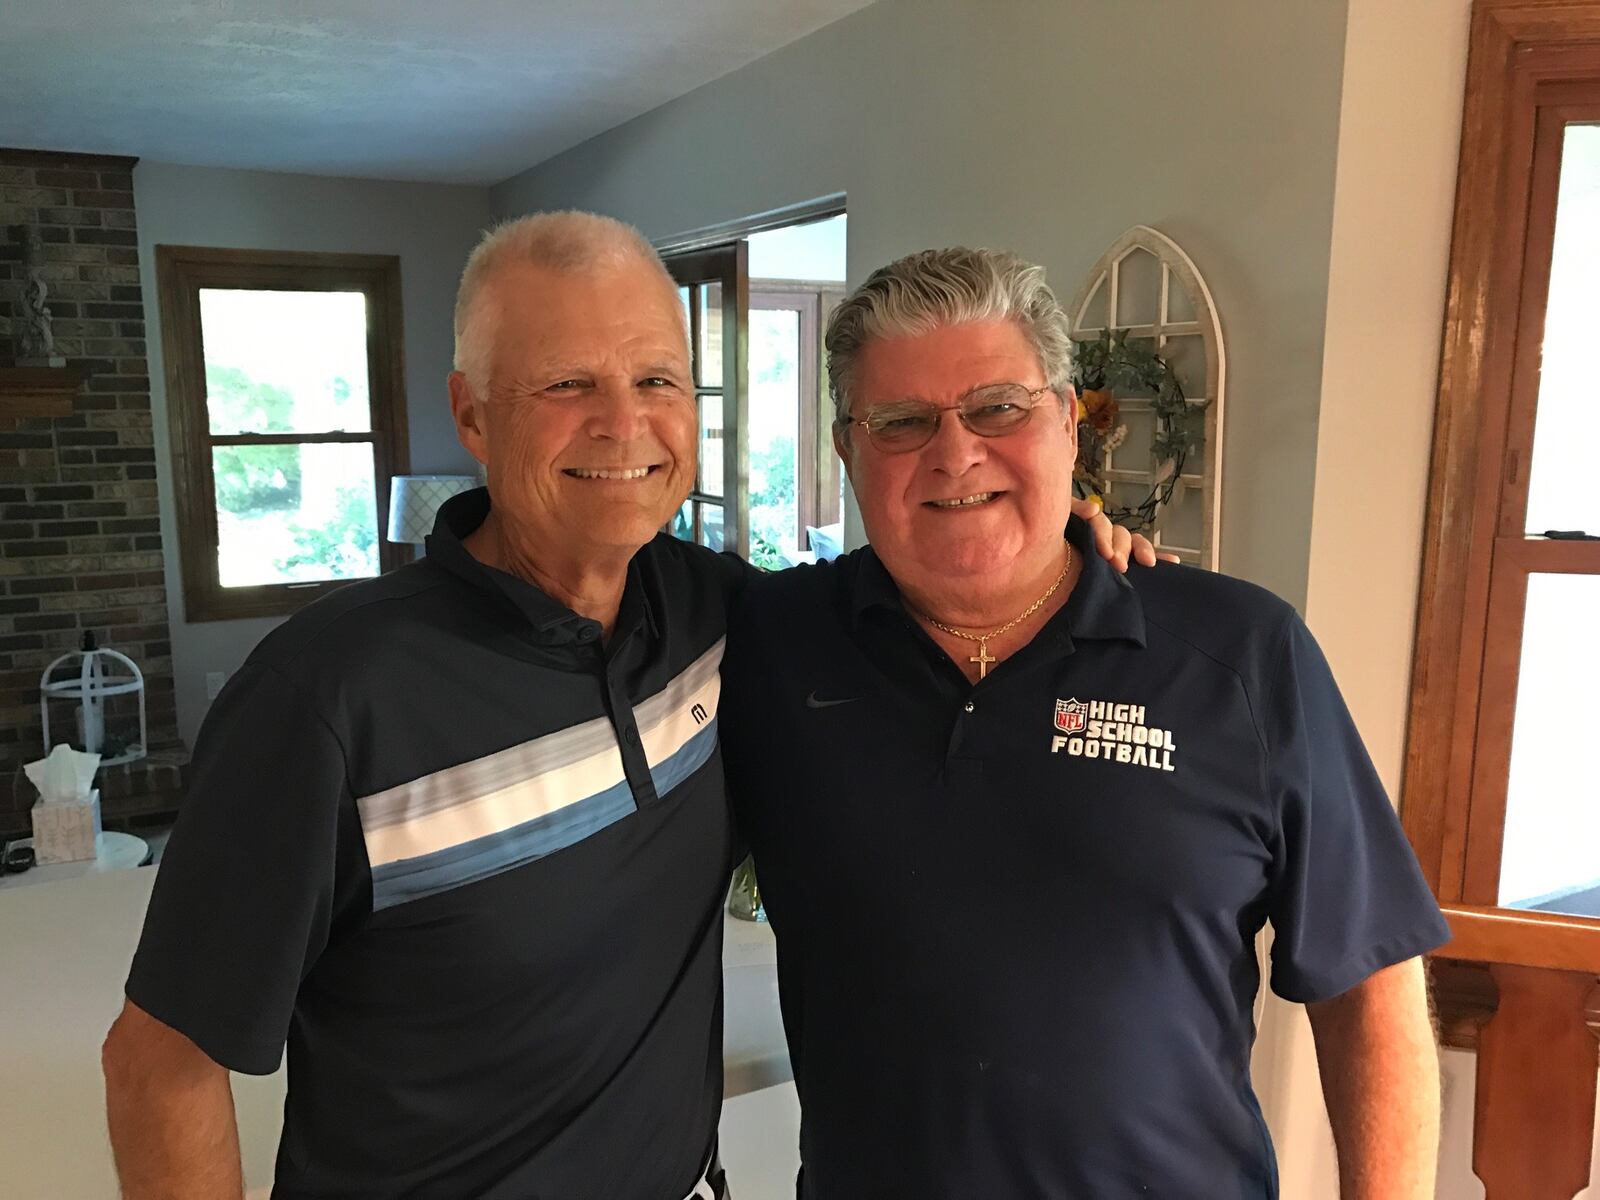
[
  {"x": 738, "y": 575},
  {"x": 1348, "y": 897},
  {"x": 244, "y": 896}
]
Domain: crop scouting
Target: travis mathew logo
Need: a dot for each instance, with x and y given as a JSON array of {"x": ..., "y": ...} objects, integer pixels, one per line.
[{"x": 1114, "y": 732}]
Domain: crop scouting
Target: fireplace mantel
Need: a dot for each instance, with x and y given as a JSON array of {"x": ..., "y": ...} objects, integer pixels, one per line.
[{"x": 39, "y": 391}]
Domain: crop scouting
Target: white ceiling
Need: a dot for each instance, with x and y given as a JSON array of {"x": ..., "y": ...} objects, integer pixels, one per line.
[{"x": 469, "y": 91}]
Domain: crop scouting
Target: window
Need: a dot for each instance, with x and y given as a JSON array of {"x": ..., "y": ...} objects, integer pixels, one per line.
[
  {"x": 287, "y": 406},
  {"x": 1516, "y": 821},
  {"x": 768, "y": 472},
  {"x": 712, "y": 285},
  {"x": 1541, "y": 640},
  {"x": 1499, "y": 799}
]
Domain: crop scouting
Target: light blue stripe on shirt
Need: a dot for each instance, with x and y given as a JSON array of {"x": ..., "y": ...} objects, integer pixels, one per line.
[
  {"x": 690, "y": 757},
  {"x": 415, "y": 878}
]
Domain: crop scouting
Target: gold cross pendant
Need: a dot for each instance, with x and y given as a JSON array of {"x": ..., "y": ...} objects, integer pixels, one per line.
[{"x": 984, "y": 658}]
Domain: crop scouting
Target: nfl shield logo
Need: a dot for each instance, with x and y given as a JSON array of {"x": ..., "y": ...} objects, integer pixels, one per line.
[{"x": 1071, "y": 715}]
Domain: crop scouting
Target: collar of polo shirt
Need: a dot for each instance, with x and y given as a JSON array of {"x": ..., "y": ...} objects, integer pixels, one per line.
[
  {"x": 1103, "y": 604},
  {"x": 550, "y": 621}
]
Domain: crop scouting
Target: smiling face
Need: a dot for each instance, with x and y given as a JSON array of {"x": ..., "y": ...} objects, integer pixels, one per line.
[
  {"x": 587, "y": 424},
  {"x": 965, "y": 515}
]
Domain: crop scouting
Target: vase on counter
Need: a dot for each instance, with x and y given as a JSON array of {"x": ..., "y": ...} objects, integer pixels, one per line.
[{"x": 744, "y": 898}]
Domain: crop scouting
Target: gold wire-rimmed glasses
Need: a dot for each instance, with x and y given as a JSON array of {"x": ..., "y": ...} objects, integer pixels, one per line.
[{"x": 995, "y": 410}]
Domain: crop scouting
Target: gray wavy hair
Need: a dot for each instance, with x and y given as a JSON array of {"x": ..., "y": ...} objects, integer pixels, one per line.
[{"x": 935, "y": 288}]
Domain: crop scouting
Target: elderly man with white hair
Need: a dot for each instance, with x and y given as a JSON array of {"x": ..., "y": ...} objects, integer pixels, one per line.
[
  {"x": 1018, "y": 818},
  {"x": 457, "y": 836}
]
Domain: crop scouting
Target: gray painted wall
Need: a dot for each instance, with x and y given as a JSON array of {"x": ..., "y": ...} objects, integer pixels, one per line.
[
  {"x": 432, "y": 227},
  {"x": 1048, "y": 128}
]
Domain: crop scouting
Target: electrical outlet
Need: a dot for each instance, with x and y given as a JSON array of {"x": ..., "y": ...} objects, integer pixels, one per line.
[{"x": 214, "y": 682}]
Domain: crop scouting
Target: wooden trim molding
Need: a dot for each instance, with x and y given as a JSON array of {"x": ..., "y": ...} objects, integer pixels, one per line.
[
  {"x": 1524, "y": 939},
  {"x": 18, "y": 157},
  {"x": 711, "y": 236}
]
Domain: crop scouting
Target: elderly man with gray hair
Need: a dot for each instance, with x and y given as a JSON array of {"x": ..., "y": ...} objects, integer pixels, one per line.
[
  {"x": 1031, "y": 813},
  {"x": 457, "y": 837}
]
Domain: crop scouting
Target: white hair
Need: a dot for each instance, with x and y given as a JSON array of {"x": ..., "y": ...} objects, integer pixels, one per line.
[
  {"x": 567, "y": 241},
  {"x": 936, "y": 288}
]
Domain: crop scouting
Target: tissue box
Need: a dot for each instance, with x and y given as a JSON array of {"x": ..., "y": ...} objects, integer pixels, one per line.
[{"x": 65, "y": 830}]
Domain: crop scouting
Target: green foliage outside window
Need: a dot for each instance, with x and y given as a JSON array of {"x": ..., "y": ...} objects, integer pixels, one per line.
[
  {"x": 772, "y": 509},
  {"x": 252, "y": 478},
  {"x": 348, "y": 544},
  {"x": 765, "y": 555}
]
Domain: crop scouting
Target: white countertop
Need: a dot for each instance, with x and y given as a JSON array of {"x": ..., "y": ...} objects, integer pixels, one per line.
[
  {"x": 117, "y": 852},
  {"x": 64, "y": 953}
]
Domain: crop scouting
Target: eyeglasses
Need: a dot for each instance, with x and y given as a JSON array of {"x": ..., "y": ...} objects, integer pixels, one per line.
[{"x": 994, "y": 411}]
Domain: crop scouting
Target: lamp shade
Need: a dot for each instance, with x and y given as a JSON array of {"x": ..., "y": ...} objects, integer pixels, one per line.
[{"x": 415, "y": 500}]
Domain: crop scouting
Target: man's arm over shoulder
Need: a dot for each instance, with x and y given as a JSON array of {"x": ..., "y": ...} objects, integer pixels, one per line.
[
  {"x": 697, "y": 575},
  {"x": 170, "y": 1111}
]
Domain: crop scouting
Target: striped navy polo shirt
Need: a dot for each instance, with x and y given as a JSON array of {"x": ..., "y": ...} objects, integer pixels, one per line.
[{"x": 467, "y": 862}]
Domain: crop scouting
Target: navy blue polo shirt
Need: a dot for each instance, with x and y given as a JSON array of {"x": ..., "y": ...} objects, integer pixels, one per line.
[
  {"x": 468, "y": 863},
  {"x": 1016, "y": 921}
]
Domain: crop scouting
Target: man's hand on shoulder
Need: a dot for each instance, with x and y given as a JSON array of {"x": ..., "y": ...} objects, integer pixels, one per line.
[{"x": 1116, "y": 545}]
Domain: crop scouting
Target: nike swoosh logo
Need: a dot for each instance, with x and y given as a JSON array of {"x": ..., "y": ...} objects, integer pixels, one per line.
[{"x": 813, "y": 702}]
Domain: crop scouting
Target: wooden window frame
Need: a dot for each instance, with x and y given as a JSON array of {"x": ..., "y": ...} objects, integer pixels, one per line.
[
  {"x": 727, "y": 266},
  {"x": 181, "y": 272},
  {"x": 1524, "y": 58}
]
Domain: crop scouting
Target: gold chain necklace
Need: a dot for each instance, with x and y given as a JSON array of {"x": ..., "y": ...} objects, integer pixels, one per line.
[{"x": 983, "y": 657}]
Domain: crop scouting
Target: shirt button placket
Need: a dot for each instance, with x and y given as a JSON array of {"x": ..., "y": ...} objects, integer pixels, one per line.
[{"x": 635, "y": 765}]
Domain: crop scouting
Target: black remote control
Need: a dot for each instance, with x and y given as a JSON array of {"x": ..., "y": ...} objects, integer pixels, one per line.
[{"x": 17, "y": 860}]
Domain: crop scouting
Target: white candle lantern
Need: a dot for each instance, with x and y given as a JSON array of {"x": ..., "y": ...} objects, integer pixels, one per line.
[{"x": 88, "y": 678}]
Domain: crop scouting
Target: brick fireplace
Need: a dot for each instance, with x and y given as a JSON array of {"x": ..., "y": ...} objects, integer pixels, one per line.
[{"x": 80, "y": 536}]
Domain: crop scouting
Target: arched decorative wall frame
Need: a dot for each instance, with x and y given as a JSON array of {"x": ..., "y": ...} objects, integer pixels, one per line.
[{"x": 1147, "y": 285}]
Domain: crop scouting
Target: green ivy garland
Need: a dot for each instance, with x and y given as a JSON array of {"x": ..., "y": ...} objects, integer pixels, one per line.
[{"x": 1111, "y": 363}]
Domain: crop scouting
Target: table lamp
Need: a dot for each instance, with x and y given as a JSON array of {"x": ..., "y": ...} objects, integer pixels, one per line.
[{"x": 415, "y": 500}]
